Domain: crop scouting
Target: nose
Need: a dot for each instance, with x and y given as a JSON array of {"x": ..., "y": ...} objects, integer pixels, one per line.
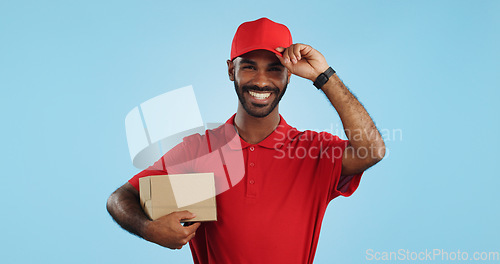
[{"x": 261, "y": 79}]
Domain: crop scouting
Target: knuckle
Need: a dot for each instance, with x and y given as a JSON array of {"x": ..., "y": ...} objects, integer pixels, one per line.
[{"x": 171, "y": 215}]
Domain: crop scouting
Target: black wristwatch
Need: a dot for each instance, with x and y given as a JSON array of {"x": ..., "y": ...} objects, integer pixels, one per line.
[{"x": 324, "y": 77}]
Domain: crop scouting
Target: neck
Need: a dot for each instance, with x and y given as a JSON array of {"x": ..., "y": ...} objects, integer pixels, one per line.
[{"x": 255, "y": 129}]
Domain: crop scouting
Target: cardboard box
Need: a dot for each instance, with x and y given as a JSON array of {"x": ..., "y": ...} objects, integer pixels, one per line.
[{"x": 163, "y": 194}]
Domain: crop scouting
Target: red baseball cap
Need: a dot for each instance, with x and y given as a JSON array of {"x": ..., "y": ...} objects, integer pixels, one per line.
[{"x": 262, "y": 33}]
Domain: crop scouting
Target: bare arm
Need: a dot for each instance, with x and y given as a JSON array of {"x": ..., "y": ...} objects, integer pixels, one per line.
[
  {"x": 366, "y": 146},
  {"x": 123, "y": 205}
]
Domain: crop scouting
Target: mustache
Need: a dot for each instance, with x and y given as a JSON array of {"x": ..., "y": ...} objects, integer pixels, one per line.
[{"x": 260, "y": 89}]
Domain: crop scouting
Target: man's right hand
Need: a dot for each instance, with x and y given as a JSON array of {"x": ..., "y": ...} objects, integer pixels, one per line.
[{"x": 168, "y": 231}]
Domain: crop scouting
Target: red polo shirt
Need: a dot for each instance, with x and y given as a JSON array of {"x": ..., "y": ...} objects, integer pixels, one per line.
[{"x": 272, "y": 196}]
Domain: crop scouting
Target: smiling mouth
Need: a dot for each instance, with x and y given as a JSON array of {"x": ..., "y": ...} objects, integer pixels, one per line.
[{"x": 260, "y": 95}]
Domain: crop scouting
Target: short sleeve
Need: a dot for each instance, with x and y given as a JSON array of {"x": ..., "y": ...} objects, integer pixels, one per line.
[
  {"x": 174, "y": 161},
  {"x": 332, "y": 164}
]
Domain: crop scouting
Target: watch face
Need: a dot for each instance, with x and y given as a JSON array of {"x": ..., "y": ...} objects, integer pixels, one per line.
[
  {"x": 321, "y": 80},
  {"x": 324, "y": 77}
]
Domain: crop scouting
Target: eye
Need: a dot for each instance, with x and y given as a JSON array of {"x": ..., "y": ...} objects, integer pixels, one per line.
[{"x": 248, "y": 67}]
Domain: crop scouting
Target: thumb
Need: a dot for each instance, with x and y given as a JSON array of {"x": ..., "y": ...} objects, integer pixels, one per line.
[
  {"x": 280, "y": 49},
  {"x": 280, "y": 57},
  {"x": 282, "y": 60},
  {"x": 192, "y": 228}
]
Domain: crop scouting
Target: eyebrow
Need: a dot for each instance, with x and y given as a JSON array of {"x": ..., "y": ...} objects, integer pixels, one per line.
[
  {"x": 272, "y": 64},
  {"x": 247, "y": 61}
]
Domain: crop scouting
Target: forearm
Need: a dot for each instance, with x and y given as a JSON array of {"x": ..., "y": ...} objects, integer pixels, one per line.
[
  {"x": 366, "y": 145},
  {"x": 360, "y": 129},
  {"x": 124, "y": 206}
]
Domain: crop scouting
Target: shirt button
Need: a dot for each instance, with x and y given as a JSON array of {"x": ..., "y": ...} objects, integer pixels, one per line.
[
  {"x": 252, "y": 148},
  {"x": 252, "y": 181},
  {"x": 251, "y": 164}
]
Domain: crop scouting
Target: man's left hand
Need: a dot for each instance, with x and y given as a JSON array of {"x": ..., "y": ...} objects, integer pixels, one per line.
[{"x": 302, "y": 60}]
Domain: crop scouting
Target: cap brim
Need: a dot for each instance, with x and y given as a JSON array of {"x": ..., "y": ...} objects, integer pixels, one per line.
[{"x": 257, "y": 48}]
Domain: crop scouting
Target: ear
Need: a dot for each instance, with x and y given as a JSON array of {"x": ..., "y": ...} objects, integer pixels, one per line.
[
  {"x": 230, "y": 69},
  {"x": 289, "y": 73}
]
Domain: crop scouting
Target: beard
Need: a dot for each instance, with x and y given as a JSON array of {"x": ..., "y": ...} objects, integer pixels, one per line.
[{"x": 254, "y": 109}]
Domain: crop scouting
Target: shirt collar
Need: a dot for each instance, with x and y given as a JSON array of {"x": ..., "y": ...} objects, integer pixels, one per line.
[{"x": 276, "y": 139}]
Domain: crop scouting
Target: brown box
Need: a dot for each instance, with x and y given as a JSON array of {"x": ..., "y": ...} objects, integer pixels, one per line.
[{"x": 162, "y": 194}]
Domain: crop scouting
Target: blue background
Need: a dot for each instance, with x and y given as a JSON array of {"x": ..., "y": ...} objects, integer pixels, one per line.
[{"x": 425, "y": 70}]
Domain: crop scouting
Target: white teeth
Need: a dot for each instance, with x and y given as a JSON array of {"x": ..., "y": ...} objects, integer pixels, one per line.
[{"x": 260, "y": 96}]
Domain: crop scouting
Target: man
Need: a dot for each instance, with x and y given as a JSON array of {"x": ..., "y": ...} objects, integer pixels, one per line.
[{"x": 274, "y": 214}]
